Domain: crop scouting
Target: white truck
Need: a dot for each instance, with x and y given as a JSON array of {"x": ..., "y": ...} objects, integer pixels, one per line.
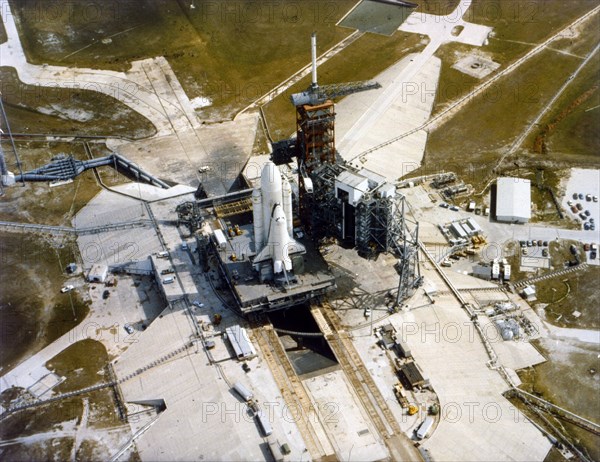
[{"x": 425, "y": 427}]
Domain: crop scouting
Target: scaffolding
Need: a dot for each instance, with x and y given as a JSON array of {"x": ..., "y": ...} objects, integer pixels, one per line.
[
  {"x": 320, "y": 210},
  {"x": 315, "y": 127},
  {"x": 233, "y": 208}
]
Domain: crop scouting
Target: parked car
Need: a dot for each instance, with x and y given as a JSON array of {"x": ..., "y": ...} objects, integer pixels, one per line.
[
  {"x": 367, "y": 312},
  {"x": 524, "y": 250},
  {"x": 522, "y": 243},
  {"x": 68, "y": 288},
  {"x": 545, "y": 243},
  {"x": 575, "y": 196},
  {"x": 588, "y": 197},
  {"x": 198, "y": 303},
  {"x": 582, "y": 216},
  {"x": 586, "y": 226},
  {"x": 593, "y": 255},
  {"x": 595, "y": 198},
  {"x": 128, "y": 328},
  {"x": 587, "y": 213},
  {"x": 586, "y": 247},
  {"x": 569, "y": 203},
  {"x": 579, "y": 206},
  {"x": 592, "y": 227},
  {"x": 454, "y": 208},
  {"x": 580, "y": 196},
  {"x": 545, "y": 253},
  {"x": 105, "y": 294},
  {"x": 540, "y": 242},
  {"x": 444, "y": 205}
]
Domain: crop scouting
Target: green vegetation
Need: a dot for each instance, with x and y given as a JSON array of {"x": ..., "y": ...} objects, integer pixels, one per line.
[
  {"x": 230, "y": 52},
  {"x": 83, "y": 364},
  {"x": 32, "y": 319},
  {"x": 572, "y": 368},
  {"x": 574, "y": 292},
  {"x": 37, "y": 109},
  {"x": 518, "y": 26},
  {"x": 500, "y": 115}
]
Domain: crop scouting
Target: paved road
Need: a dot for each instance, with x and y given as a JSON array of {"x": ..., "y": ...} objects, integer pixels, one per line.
[
  {"x": 443, "y": 34},
  {"x": 387, "y": 98},
  {"x": 443, "y": 116}
]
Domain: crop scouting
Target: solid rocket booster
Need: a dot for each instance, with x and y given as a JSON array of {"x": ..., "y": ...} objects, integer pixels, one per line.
[
  {"x": 286, "y": 191},
  {"x": 257, "y": 215}
]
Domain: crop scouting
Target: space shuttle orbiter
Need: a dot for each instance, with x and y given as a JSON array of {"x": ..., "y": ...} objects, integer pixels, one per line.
[{"x": 272, "y": 213}]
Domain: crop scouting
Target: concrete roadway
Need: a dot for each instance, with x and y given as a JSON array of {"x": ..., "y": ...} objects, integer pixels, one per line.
[{"x": 443, "y": 34}]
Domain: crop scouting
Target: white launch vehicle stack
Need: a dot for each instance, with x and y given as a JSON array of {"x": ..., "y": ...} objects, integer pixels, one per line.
[{"x": 273, "y": 220}]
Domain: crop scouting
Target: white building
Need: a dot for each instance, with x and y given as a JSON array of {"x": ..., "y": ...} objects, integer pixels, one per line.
[
  {"x": 98, "y": 273},
  {"x": 513, "y": 200}
]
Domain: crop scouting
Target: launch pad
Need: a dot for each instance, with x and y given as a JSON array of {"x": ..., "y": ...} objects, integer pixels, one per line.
[{"x": 311, "y": 278}]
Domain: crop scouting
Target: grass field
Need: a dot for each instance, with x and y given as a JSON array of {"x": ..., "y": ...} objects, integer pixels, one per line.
[
  {"x": 83, "y": 364},
  {"x": 34, "y": 312},
  {"x": 228, "y": 51},
  {"x": 36, "y": 109},
  {"x": 565, "y": 379},
  {"x": 499, "y": 115},
  {"x": 2, "y": 33}
]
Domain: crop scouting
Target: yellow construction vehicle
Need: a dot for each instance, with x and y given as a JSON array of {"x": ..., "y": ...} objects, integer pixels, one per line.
[{"x": 412, "y": 409}]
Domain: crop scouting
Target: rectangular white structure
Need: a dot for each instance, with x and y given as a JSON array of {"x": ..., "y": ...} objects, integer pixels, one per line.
[
  {"x": 238, "y": 337},
  {"x": 220, "y": 239},
  {"x": 513, "y": 200},
  {"x": 353, "y": 184},
  {"x": 458, "y": 230},
  {"x": 98, "y": 273},
  {"x": 474, "y": 226}
]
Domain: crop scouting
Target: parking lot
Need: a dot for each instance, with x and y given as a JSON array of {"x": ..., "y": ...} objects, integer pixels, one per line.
[{"x": 581, "y": 197}]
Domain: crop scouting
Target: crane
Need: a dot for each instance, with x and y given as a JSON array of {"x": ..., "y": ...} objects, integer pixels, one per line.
[{"x": 316, "y": 94}]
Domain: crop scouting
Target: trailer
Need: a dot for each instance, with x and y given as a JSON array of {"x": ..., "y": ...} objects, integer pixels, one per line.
[
  {"x": 265, "y": 425},
  {"x": 425, "y": 427},
  {"x": 220, "y": 239},
  {"x": 244, "y": 393}
]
